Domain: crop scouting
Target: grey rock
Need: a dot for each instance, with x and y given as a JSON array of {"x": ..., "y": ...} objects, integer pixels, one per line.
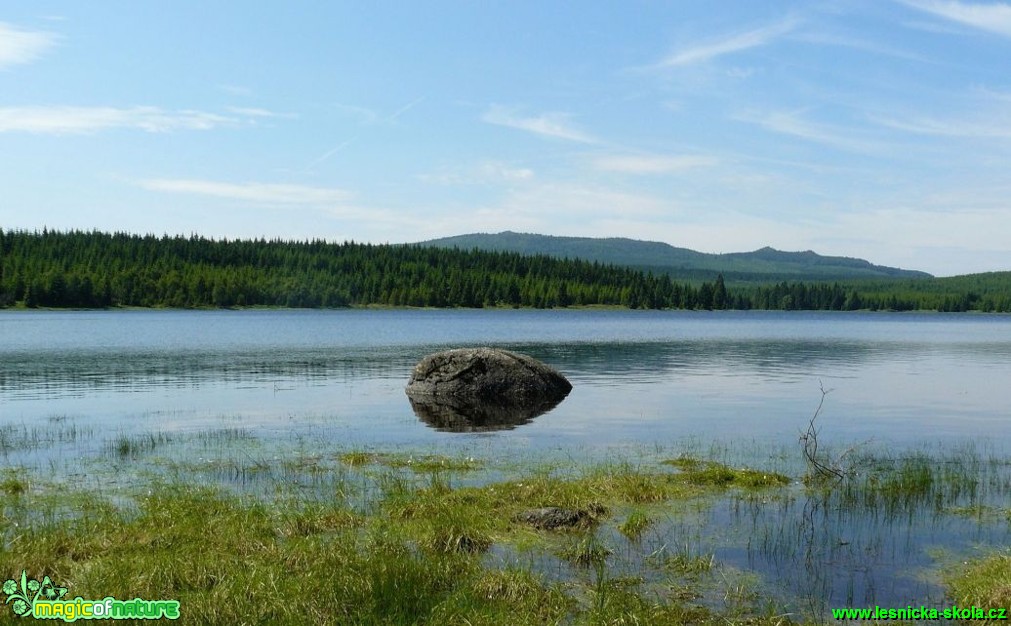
[{"x": 486, "y": 375}]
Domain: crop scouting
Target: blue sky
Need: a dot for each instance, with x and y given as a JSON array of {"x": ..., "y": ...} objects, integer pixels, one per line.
[{"x": 871, "y": 128}]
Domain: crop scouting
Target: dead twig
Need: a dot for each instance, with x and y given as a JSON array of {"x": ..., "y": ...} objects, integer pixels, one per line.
[{"x": 823, "y": 466}]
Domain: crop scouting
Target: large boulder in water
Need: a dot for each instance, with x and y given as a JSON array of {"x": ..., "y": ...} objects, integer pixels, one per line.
[
  {"x": 488, "y": 375},
  {"x": 472, "y": 389}
]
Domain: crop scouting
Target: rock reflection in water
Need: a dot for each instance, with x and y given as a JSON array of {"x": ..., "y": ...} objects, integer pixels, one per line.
[{"x": 449, "y": 414}]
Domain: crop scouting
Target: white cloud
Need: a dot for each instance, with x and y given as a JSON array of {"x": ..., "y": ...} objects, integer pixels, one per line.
[
  {"x": 794, "y": 124},
  {"x": 65, "y": 120},
  {"x": 548, "y": 208},
  {"x": 236, "y": 90},
  {"x": 570, "y": 201},
  {"x": 826, "y": 39},
  {"x": 256, "y": 112},
  {"x": 994, "y": 17},
  {"x": 922, "y": 235},
  {"x": 980, "y": 128},
  {"x": 982, "y": 114},
  {"x": 259, "y": 193},
  {"x": 555, "y": 125},
  {"x": 652, "y": 164},
  {"x": 489, "y": 172},
  {"x": 734, "y": 43},
  {"x": 22, "y": 46},
  {"x": 362, "y": 114}
]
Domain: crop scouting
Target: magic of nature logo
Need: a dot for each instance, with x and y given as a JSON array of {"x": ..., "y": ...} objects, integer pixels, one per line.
[{"x": 44, "y": 599}]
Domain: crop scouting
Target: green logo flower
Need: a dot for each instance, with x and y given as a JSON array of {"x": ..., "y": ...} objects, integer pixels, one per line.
[
  {"x": 20, "y": 607},
  {"x": 22, "y": 597}
]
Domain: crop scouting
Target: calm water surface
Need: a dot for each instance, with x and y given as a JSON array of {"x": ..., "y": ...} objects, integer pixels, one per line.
[
  {"x": 639, "y": 377},
  {"x": 645, "y": 383}
]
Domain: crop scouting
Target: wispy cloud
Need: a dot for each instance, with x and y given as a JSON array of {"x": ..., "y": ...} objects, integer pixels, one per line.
[
  {"x": 983, "y": 114},
  {"x": 22, "y": 46},
  {"x": 259, "y": 193},
  {"x": 571, "y": 201},
  {"x": 257, "y": 112},
  {"x": 793, "y": 123},
  {"x": 994, "y": 17},
  {"x": 706, "y": 51},
  {"x": 969, "y": 128},
  {"x": 652, "y": 164},
  {"x": 489, "y": 172},
  {"x": 236, "y": 90},
  {"x": 66, "y": 120},
  {"x": 363, "y": 114},
  {"x": 556, "y": 125},
  {"x": 854, "y": 43}
]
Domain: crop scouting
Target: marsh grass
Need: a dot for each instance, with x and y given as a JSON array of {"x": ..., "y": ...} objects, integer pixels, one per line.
[
  {"x": 959, "y": 481},
  {"x": 393, "y": 538},
  {"x": 12, "y": 483},
  {"x": 985, "y": 582},
  {"x": 418, "y": 463},
  {"x": 683, "y": 561},
  {"x": 712, "y": 473},
  {"x": 57, "y": 430},
  {"x": 414, "y": 550},
  {"x": 132, "y": 446},
  {"x": 585, "y": 551},
  {"x": 635, "y": 525}
]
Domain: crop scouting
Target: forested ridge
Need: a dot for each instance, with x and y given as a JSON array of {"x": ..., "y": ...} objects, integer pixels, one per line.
[
  {"x": 765, "y": 265},
  {"x": 95, "y": 270}
]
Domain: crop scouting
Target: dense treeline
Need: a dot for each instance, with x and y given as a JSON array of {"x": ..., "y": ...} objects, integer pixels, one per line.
[
  {"x": 93, "y": 270},
  {"x": 959, "y": 294}
]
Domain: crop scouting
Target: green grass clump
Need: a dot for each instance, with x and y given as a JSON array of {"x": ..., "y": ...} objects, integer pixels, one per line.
[
  {"x": 985, "y": 582},
  {"x": 357, "y": 459},
  {"x": 634, "y": 525},
  {"x": 912, "y": 477},
  {"x": 12, "y": 485},
  {"x": 131, "y": 447},
  {"x": 585, "y": 551},
  {"x": 417, "y": 463},
  {"x": 507, "y": 596},
  {"x": 500, "y": 502},
  {"x": 711, "y": 473},
  {"x": 684, "y": 563},
  {"x": 316, "y": 519}
]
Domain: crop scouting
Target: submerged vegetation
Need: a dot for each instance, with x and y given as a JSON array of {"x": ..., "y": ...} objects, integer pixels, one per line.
[
  {"x": 375, "y": 537},
  {"x": 95, "y": 270}
]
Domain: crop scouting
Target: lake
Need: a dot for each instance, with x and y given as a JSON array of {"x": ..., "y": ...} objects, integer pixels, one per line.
[
  {"x": 639, "y": 376},
  {"x": 740, "y": 385}
]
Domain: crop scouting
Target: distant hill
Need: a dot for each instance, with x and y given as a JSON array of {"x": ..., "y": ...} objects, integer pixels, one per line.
[{"x": 764, "y": 265}]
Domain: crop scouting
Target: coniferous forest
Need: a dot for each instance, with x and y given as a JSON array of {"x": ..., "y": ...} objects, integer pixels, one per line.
[{"x": 95, "y": 270}]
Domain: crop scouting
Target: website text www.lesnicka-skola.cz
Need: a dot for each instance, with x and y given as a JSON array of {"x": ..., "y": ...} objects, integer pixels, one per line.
[{"x": 910, "y": 612}]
